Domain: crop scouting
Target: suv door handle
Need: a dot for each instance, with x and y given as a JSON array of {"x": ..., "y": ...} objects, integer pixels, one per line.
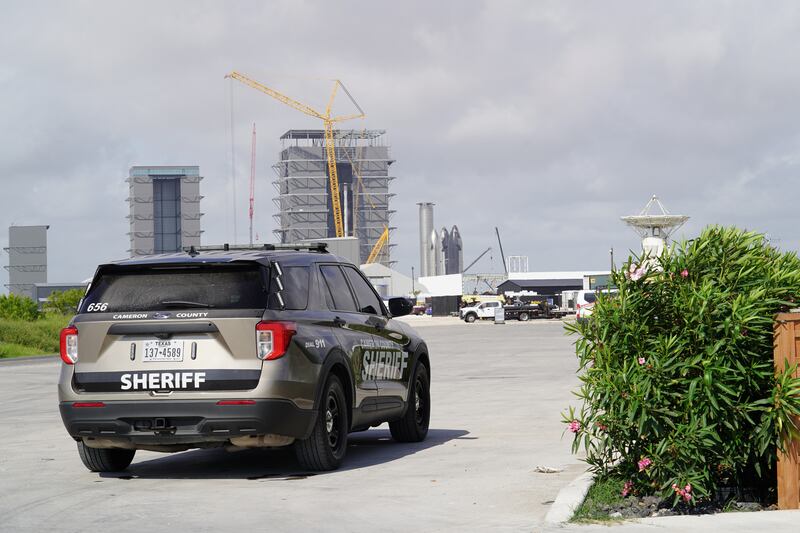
[{"x": 338, "y": 322}]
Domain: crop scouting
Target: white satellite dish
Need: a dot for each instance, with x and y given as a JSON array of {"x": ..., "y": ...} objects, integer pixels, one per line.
[{"x": 655, "y": 225}]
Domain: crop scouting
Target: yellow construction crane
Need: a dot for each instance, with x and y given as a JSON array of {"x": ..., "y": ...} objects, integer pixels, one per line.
[
  {"x": 328, "y": 122},
  {"x": 373, "y": 255}
]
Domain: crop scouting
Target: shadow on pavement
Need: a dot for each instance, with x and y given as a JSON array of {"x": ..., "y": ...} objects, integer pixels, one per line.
[{"x": 366, "y": 448}]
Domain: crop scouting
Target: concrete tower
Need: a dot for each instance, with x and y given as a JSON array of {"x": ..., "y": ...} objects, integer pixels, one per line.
[
  {"x": 164, "y": 206},
  {"x": 27, "y": 259}
]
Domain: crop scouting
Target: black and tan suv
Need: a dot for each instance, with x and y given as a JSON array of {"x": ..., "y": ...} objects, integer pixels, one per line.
[{"x": 238, "y": 347}]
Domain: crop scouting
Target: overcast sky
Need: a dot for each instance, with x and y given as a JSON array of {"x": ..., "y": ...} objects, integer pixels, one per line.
[{"x": 547, "y": 119}]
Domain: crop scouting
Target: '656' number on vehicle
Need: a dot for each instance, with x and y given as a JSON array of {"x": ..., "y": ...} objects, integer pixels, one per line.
[{"x": 99, "y": 306}]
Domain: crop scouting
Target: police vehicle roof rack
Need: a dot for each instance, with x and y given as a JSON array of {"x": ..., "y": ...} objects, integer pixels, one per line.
[{"x": 321, "y": 247}]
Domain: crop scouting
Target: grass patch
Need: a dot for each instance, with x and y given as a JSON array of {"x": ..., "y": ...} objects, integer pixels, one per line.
[
  {"x": 35, "y": 337},
  {"x": 17, "y": 350},
  {"x": 604, "y": 491}
]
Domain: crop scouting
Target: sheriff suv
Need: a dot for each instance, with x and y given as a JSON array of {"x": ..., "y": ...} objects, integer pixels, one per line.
[{"x": 238, "y": 347}]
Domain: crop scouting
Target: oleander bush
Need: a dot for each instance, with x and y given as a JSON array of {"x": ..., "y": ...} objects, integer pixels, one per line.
[{"x": 679, "y": 395}]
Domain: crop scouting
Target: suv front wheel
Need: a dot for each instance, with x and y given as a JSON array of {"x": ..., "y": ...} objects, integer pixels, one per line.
[{"x": 325, "y": 448}]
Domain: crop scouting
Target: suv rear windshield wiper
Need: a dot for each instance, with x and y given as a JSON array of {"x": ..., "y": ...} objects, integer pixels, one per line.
[{"x": 183, "y": 303}]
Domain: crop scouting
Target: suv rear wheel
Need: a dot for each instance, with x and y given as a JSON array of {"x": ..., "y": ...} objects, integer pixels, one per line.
[
  {"x": 325, "y": 448},
  {"x": 413, "y": 427},
  {"x": 105, "y": 459}
]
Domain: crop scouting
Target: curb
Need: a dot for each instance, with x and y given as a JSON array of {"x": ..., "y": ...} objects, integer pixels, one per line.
[
  {"x": 28, "y": 359},
  {"x": 569, "y": 499}
]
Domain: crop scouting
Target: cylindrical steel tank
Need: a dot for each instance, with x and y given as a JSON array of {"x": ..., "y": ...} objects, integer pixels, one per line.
[
  {"x": 445, "y": 247},
  {"x": 436, "y": 256},
  {"x": 455, "y": 262},
  {"x": 426, "y": 264}
]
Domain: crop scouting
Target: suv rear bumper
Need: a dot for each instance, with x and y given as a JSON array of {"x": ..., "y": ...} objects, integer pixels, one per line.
[{"x": 185, "y": 422}]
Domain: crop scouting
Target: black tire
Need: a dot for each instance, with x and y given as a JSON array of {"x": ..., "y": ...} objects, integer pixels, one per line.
[
  {"x": 325, "y": 448},
  {"x": 105, "y": 459},
  {"x": 470, "y": 318},
  {"x": 413, "y": 427},
  {"x": 523, "y": 317}
]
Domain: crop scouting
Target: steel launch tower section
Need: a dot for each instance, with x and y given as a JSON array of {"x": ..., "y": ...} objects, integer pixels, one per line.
[{"x": 303, "y": 200}]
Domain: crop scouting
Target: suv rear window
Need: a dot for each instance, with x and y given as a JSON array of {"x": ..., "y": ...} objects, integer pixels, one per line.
[{"x": 151, "y": 288}]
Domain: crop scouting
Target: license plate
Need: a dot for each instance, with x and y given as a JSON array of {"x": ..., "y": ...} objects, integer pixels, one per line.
[{"x": 162, "y": 351}]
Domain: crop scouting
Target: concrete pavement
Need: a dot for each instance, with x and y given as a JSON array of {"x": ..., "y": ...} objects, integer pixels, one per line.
[{"x": 497, "y": 394}]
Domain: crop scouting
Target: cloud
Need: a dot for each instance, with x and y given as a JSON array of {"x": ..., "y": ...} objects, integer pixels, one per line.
[{"x": 548, "y": 120}]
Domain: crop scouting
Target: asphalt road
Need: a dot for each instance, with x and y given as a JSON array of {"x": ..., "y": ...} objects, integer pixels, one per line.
[{"x": 497, "y": 394}]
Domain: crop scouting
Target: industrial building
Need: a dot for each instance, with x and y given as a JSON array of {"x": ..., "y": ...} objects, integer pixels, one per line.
[
  {"x": 27, "y": 259},
  {"x": 164, "y": 204},
  {"x": 304, "y": 203},
  {"x": 542, "y": 285},
  {"x": 440, "y": 253},
  {"x": 42, "y": 291},
  {"x": 390, "y": 283}
]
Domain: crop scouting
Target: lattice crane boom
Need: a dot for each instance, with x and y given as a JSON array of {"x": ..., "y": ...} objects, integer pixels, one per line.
[
  {"x": 328, "y": 123},
  {"x": 381, "y": 242}
]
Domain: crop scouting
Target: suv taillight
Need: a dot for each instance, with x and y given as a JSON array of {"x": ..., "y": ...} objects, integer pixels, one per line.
[
  {"x": 272, "y": 339},
  {"x": 68, "y": 344}
]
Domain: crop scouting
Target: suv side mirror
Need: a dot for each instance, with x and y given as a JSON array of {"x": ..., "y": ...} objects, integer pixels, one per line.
[{"x": 400, "y": 306}]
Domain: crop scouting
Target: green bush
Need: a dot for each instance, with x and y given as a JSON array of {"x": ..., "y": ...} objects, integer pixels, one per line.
[
  {"x": 42, "y": 334},
  {"x": 679, "y": 393},
  {"x": 18, "y": 307},
  {"x": 63, "y": 302}
]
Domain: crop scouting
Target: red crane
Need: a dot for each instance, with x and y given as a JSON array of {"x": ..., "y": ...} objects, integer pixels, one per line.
[{"x": 252, "y": 181}]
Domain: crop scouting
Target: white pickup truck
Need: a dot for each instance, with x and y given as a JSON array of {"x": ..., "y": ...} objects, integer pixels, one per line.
[
  {"x": 519, "y": 311},
  {"x": 482, "y": 311}
]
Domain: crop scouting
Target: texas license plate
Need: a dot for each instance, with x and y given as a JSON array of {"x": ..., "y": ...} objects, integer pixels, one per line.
[{"x": 162, "y": 351}]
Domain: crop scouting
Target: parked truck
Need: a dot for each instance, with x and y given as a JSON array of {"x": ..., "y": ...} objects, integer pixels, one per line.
[{"x": 517, "y": 311}]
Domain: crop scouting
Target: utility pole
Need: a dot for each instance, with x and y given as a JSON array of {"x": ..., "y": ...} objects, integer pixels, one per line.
[
  {"x": 611, "y": 252},
  {"x": 413, "y": 288}
]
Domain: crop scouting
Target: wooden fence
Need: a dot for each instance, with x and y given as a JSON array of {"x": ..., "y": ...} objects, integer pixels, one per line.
[{"x": 787, "y": 348}]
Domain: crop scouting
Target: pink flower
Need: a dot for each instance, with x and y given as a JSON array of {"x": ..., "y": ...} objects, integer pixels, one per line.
[
  {"x": 574, "y": 426},
  {"x": 627, "y": 488},
  {"x": 684, "y": 273},
  {"x": 635, "y": 272},
  {"x": 685, "y": 493},
  {"x": 644, "y": 462},
  {"x": 642, "y": 360}
]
